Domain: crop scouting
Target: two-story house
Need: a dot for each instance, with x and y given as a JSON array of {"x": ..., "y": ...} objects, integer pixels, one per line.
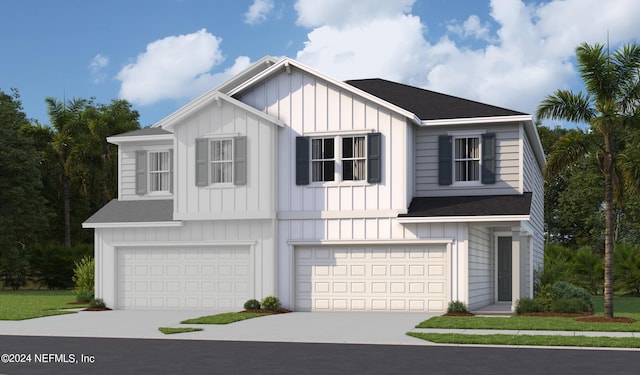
[{"x": 364, "y": 195}]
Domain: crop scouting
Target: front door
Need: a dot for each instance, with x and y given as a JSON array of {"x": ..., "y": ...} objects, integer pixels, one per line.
[{"x": 504, "y": 269}]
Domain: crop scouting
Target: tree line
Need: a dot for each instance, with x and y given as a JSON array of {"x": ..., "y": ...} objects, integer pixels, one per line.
[{"x": 52, "y": 178}]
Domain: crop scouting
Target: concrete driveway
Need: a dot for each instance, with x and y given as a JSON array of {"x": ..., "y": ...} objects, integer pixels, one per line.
[{"x": 353, "y": 328}]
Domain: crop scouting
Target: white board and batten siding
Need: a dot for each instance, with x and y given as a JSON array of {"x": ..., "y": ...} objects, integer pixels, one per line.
[
  {"x": 254, "y": 200},
  {"x": 508, "y": 154},
  {"x": 481, "y": 267},
  {"x": 127, "y": 168},
  {"x": 313, "y": 107},
  {"x": 205, "y": 264}
]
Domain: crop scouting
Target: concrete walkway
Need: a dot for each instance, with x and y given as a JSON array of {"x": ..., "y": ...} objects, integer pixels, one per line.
[{"x": 529, "y": 333}]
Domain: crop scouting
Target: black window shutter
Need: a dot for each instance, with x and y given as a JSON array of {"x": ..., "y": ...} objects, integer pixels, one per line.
[
  {"x": 489, "y": 158},
  {"x": 302, "y": 161},
  {"x": 141, "y": 172},
  {"x": 445, "y": 160},
  {"x": 171, "y": 170},
  {"x": 202, "y": 162},
  {"x": 240, "y": 161},
  {"x": 374, "y": 158}
]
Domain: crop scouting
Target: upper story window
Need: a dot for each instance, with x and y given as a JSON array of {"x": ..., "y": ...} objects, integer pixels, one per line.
[
  {"x": 354, "y": 159},
  {"x": 323, "y": 159},
  {"x": 159, "y": 171},
  {"x": 339, "y": 158},
  {"x": 221, "y": 161},
  {"x": 154, "y": 172},
  {"x": 466, "y": 159}
]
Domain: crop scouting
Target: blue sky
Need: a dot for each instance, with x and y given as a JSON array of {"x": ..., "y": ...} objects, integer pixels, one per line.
[{"x": 159, "y": 54}]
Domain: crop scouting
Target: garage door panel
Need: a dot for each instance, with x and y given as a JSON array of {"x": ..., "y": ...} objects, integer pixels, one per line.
[
  {"x": 370, "y": 278},
  {"x": 174, "y": 278}
]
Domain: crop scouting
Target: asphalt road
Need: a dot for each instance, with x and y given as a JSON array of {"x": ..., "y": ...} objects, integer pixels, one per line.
[{"x": 67, "y": 355}]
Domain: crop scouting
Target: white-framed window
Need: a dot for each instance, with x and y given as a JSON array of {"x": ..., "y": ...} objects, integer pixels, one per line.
[
  {"x": 159, "y": 171},
  {"x": 221, "y": 161},
  {"x": 349, "y": 157},
  {"x": 354, "y": 158},
  {"x": 323, "y": 162},
  {"x": 466, "y": 159}
]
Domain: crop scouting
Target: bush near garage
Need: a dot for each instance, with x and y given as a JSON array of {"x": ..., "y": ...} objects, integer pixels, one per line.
[{"x": 271, "y": 303}]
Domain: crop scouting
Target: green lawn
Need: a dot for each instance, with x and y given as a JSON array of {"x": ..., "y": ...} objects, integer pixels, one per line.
[
  {"x": 172, "y": 331},
  {"x": 224, "y": 318},
  {"x": 29, "y": 304},
  {"x": 627, "y": 307}
]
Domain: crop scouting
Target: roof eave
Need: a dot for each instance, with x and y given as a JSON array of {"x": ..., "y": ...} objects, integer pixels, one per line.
[
  {"x": 476, "y": 120},
  {"x": 462, "y": 219},
  {"x": 140, "y": 138},
  {"x": 130, "y": 224}
]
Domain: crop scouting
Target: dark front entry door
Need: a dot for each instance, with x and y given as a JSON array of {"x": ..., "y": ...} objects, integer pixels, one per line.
[{"x": 504, "y": 269}]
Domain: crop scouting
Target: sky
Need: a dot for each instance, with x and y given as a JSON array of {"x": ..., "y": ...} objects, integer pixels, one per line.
[{"x": 160, "y": 54}]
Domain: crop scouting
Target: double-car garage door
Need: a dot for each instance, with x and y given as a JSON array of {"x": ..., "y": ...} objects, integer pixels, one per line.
[
  {"x": 410, "y": 278},
  {"x": 219, "y": 278}
]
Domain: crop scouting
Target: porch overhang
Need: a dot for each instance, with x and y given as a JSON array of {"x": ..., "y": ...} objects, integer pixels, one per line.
[{"x": 506, "y": 209}]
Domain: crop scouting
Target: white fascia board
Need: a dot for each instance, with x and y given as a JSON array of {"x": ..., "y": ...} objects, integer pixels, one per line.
[
  {"x": 536, "y": 144},
  {"x": 475, "y": 120},
  {"x": 183, "y": 243},
  {"x": 140, "y": 138},
  {"x": 211, "y": 96},
  {"x": 252, "y": 70},
  {"x": 149, "y": 224},
  {"x": 416, "y": 241},
  {"x": 463, "y": 219},
  {"x": 286, "y": 63}
]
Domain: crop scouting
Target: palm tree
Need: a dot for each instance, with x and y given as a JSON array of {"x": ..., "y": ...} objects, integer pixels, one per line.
[{"x": 610, "y": 107}]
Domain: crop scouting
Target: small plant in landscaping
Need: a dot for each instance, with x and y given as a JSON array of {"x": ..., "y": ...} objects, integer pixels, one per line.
[
  {"x": 97, "y": 303},
  {"x": 569, "y": 306},
  {"x": 84, "y": 296},
  {"x": 252, "y": 304},
  {"x": 271, "y": 303},
  {"x": 457, "y": 307},
  {"x": 528, "y": 305}
]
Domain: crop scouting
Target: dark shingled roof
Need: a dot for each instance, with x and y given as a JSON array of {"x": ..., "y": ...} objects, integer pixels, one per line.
[
  {"x": 133, "y": 212},
  {"x": 483, "y": 205},
  {"x": 143, "y": 132},
  {"x": 428, "y": 105}
]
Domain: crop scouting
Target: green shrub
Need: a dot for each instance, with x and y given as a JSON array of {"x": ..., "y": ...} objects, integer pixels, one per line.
[
  {"x": 252, "y": 304},
  {"x": 97, "y": 303},
  {"x": 564, "y": 290},
  {"x": 14, "y": 267},
  {"x": 271, "y": 303},
  {"x": 84, "y": 276},
  {"x": 53, "y": 265},
  {"x": 457, "y": 307},
  {"x": 569, "y": 306},
  {"x": 84, "y": 296},
  {"x": 528, "y": 305}
]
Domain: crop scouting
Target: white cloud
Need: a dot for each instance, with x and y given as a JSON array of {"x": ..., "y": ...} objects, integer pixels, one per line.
[
  {"x": 98, "y": 63},
  {"x": 528, "y": 56},
  {"x": 258, "y": 11},
  {"x": 347, "y": 13},
  {"x": 172, "y": 68}
]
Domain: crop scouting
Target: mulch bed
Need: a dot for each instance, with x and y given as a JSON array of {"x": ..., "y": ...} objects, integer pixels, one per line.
[
  {"x": 602, "y": 319},
  {"x": 77, "y": 303},
  {"x": 96, "y": 309},
  {"x": 459, "y": 314},
  {"x": 279, "y": 311},
  {"x": 559, "y": 315}
]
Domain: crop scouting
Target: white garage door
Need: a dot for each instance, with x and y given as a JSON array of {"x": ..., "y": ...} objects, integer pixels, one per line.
[
  {"x": 371, "y": 278},
  {"x": 177, "y": 278}
]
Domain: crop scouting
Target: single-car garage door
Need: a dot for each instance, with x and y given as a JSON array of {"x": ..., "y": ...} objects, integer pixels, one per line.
[
  {"x": 178, "y": 278},
  {"x": 408, "y": 278}
]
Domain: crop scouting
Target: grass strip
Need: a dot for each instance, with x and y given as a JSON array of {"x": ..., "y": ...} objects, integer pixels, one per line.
[
  {"x": 526, "y": 340},
  {"x": 529, "y": 323},
  {"x": 224, "y": 318},
  {"x": 171, "y": 331}
]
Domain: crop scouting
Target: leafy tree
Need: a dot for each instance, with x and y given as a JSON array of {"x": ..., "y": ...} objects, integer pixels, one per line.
[
  {"x": 609, "y": 106},
  {"x": 23, "y": 214},
  {"x": 587, "y": 269},
  {"x": 626, "y": 261}
]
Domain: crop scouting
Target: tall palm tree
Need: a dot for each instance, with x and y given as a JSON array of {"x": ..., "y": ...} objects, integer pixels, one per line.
[{"x": 610, "y": 107}]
